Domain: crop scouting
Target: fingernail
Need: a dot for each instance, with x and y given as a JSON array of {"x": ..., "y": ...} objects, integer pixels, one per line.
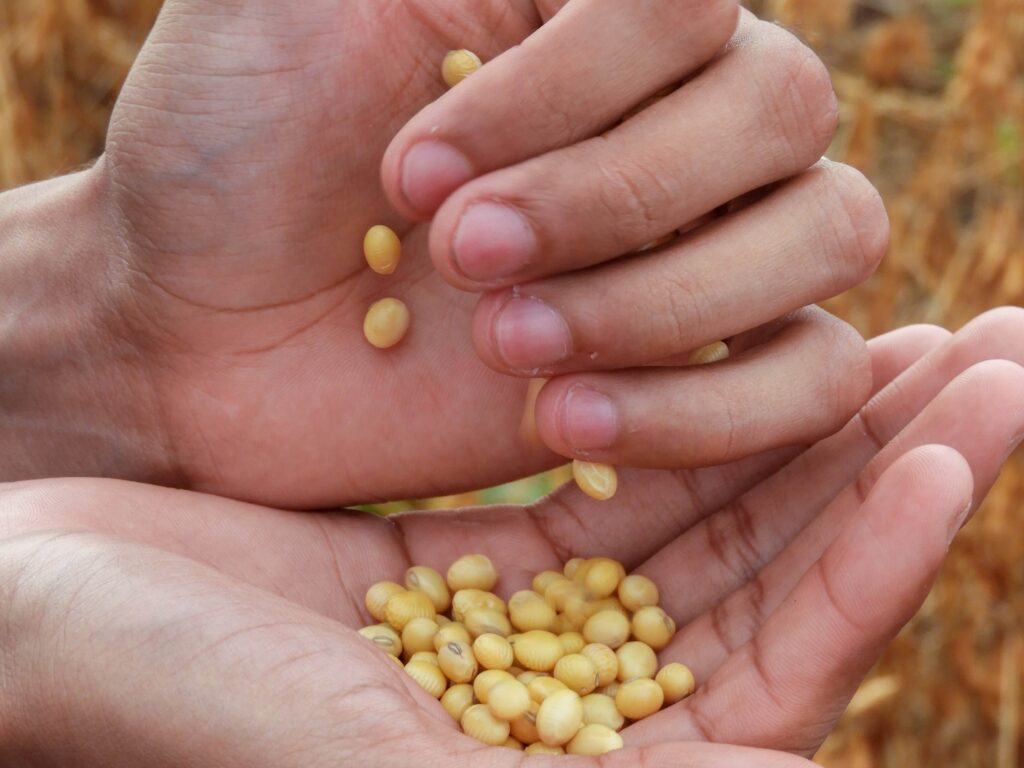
[
  {"x": 530, "y": 335},
  {"x": 431, "y": 171},
  {"x": 589, "y": 420},
  {"x": 492, "y": 240}
]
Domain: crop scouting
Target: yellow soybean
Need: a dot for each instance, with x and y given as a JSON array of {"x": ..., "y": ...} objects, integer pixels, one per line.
[
  {"x": 382, "y": 249},
  {"x": 598, "y": 481},
  {"x": 386, "y": 323},
  {"x": 458, "y": 65}
]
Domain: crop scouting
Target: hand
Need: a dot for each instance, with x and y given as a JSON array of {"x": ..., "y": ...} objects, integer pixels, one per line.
[
  {"x": 224, "y": 285},
  {"x": 221, "y": 633},
  {"x": 538, "y": 189}
]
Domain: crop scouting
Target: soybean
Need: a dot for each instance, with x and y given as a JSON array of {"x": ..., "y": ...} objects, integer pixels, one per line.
[
  {"x": 594, "y": 739},
  {"x": 598, "y": 481},
  {"x": 458, "y": 65},
  {"x": 480, "y": 724},
  {"x": 639, "y": 698},
  {"x": 676, "y": 681},
  {"x": 387, "y": 323},
  {"x": 559, "y": 718},
  {"x": 472, "y": 572},
  {"x": 382, "y": 249}
]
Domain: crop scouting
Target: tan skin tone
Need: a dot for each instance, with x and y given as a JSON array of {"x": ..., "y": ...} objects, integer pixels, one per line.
[
  {"x": 158, "y": 627},
  {"x": 210, "y": 271}
]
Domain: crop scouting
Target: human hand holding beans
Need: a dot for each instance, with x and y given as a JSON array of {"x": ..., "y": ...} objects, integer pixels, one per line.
[
  {"x": 786, "y": 573},
  {"x": 541, "y": 198},
  {"x": 211, "y": 287}
]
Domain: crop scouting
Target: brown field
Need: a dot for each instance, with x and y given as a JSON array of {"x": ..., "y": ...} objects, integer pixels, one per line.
[{"x": 933, "y": 112}]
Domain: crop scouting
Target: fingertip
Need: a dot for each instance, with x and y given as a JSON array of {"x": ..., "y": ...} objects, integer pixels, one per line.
[{"x": 419, "y": 174}]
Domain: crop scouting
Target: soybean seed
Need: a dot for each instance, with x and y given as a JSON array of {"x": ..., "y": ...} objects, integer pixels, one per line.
[
  {"x": 387, "y": 323},
  {"x": 608, "y": 627},
  {"x": 600, "y": 708},
  {"x": 378, "y": 595},
  {"x": 577, "y": 672},
  {"x": 384, "y": 637},
  {"x": 382, "y": 249},
  {"x": 676, "y": 681},
  {"x": 636, "y": 592},
  {"x": 457, "y": 662},
  {"x": 653, "y": 626},
  {"x": 636, "y": 659},
  {"x": 598, "y": 481},
  {"x": 418, "y": 635},
  {"x": 457, "y": 699},
  {"x": 472, "y": 572},
  {"x": 712, "y": 353},
  {"x": 406, "y": 606},
  {"x": 639, "y": 698},
  {"x": 594, "y": 739},
  {"x": 572, "y": 642},
  {"x": 493, "y": 651},
  {"x": 481, "y": 621},
  {"x": 429, "y": 677},
  {"x": 508, "y": 700},
  {"x": 465, "y": 600},
  {"x": 559, "y": 718},
  {"x": 602, "y": 577},
  {"x": 538, "y": 650},
  {"x": 458, "y": 65},
  {"x": 427, "y": 656},
  {"x": 571, "y": 566},
  {"x": 528, "y": 610},
  {"x": 513, "y": 743},
  {"x": 480, "y": 724}
]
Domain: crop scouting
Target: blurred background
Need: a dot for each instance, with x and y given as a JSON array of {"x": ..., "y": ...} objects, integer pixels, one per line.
[{"x": 933, "y": 112}]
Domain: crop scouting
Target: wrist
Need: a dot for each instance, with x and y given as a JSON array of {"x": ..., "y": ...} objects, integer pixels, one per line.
[{"x": 75, "y": 398}]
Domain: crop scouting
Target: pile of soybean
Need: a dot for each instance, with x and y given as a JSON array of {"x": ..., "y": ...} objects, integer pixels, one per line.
[{"x": 561, "y": 668}]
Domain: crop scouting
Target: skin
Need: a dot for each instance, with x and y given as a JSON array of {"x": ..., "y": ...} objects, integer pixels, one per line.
[
  {"x": 779, "y": 622},
  {"x": 190, "y": 309}
]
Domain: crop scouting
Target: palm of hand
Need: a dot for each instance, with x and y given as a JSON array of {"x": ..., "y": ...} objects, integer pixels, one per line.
[
  {"x": 788, "y": 575},
  {"x": 243, "y": 160}
]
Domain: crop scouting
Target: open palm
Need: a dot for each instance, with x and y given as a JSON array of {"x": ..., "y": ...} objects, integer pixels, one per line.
[
  {"x": 221, "y": 632},
  {"x": 243, "y": 160}
]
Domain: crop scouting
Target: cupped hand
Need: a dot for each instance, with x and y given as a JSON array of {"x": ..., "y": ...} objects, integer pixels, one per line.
[
  {"x": 158, "y": 627},
  {"x": 243, "y": 166}
]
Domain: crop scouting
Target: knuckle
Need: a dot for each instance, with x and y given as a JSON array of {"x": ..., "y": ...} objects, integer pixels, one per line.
[
  {"x": 685, "y": 304},
  {"x": 800, "y": 100},
  {"x": 636, "y": 197},
  {"x": 857, "y": 224}
]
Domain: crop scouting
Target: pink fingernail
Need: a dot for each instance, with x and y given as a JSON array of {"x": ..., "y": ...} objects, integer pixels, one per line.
[
  {"x": 531, "y": 335},
  {"x": 431, "y": 171},
  {"x": 589, "y": 420},
  {"x": 493, "y": 240}
]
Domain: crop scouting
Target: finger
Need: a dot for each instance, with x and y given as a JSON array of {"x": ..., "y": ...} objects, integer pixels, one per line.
[
  {"x": 980, "y": 415},
  {"x": 767, "y": 107},
  {"x": 771, "y": 396},
  {"x": 580, "y": 72},
  {"x": 734, "y": 543},
  {"x": 816, "y": 237},
  {"x": 787, "y": 688},
  {"x": 894, "y": 352}
]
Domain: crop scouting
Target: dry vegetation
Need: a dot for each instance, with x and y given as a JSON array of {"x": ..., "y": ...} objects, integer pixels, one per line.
[{"x": 933, "y": 112}]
